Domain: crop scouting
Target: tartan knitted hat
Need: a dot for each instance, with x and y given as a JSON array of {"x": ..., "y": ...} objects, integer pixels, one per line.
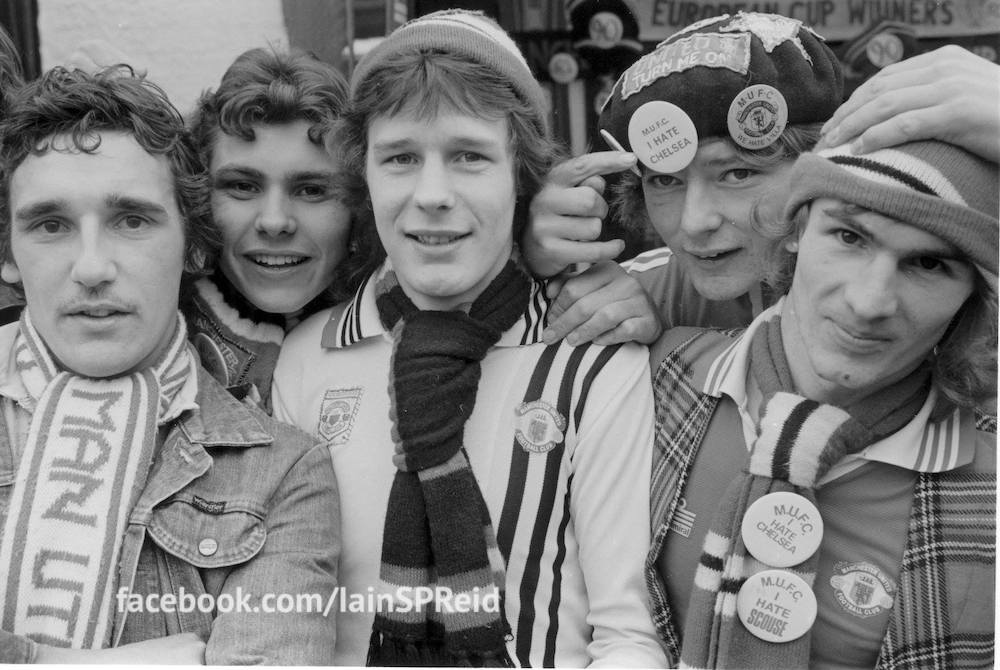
[
  {"x": 705, "y": 67},
  {"x": 471, "y": 35},
  {"x": 935, "y": 186}
]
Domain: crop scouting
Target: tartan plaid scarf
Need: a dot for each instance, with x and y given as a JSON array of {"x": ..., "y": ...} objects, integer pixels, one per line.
[
  {"x": 438, "y": 532},
  {"x": 797, "y": 442},
  {"x": 87, "y": 454}
]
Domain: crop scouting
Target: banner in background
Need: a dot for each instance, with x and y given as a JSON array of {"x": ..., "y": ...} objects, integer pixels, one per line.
[{"x": 833, "y": 19}]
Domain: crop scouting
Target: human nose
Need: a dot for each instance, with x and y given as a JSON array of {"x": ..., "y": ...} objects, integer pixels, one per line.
[
  {"x": 433, "y": 189},
  {"x": 94, "y": 264},
  {"x": 275, "y": 216},
  {"x": 871, "y": 293},
  {"x": 700, "y": 214}
]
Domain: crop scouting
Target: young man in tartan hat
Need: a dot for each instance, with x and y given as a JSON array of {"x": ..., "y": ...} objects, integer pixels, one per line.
[
  {"x": 141, "y": 506},
  {"x": 854, "y": 425},
  {"x": 492, "y": 473}
]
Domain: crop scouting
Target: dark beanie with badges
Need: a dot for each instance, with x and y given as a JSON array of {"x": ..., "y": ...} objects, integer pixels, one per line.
[{"x": 744, "y": 77}]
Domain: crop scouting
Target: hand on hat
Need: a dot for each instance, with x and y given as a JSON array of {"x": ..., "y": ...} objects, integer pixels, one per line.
[
  {"x": 949, "y": 94},
  {"x": 566, "y": 214}
]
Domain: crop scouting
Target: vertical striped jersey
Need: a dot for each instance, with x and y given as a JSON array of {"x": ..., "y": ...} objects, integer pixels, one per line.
[{"x": 560, "y": 442}]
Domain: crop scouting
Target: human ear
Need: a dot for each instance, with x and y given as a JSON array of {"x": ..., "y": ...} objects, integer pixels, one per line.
[{"x": 9, "y": 272}]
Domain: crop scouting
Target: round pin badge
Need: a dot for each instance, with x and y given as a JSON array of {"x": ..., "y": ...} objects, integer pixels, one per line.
[
  {"x": 782, "y": 529},
  {"x": 662, "y": 136},
  {"x": 776, "y": 606},
  {"x": 563, "y": 68},
  {"x": 757, "y": 116},
  {"x": 884, "y": 49}
]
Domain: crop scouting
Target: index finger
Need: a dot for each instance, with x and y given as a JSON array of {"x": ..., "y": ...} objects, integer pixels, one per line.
[{"x": 580, "y": 168}]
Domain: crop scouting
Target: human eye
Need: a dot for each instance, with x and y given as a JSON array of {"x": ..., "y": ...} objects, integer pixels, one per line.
[
  {"x": 663, "y": 181},
  {"x": 49, "y": 226},
  {"x": 312, "y": 191},
  {"x": 401, "y": 160},
  {"x": 930, "y": 264},
  {"x": 237, "y": 187},
  {"x": 132, "y": 222},
  {"x": 738, "y": 175},
  {"x": 471, "y": 157},
  {"x": 846, "y": 236}
]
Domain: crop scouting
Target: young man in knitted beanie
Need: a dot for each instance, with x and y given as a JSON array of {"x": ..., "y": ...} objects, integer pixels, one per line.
[
  {"x": 715, "y": 116},
  {"x": 949, "y": 94},
  {"x": 852, "y": 427},
  {"x": 145, "y": 514},
  {"x": 489, "y": 500}
]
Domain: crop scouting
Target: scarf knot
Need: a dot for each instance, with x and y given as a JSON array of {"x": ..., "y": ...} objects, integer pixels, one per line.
[{"x": 438, "y": 531}]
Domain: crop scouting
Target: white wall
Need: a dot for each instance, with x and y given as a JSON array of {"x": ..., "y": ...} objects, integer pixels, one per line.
[{"x": 184, "y": 45}]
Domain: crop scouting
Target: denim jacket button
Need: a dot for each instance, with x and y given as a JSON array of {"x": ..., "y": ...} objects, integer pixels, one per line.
[{"x": 208, "y": 546}]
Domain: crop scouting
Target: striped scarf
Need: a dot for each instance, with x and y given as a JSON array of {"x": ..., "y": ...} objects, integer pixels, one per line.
[
  {"x": 797, "y": 442},
  {"x": 88, "y": 451},
  {"x": 438, "y": 533}
]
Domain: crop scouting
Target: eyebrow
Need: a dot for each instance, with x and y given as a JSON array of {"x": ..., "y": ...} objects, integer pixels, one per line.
[
  {"x": 43, "y": 208},
  {"x": 945, "y": 251},
  {"x": 133, "y": 204},
  {"x": 461, "y": 140},
  {"x": 304, "y": 175}
]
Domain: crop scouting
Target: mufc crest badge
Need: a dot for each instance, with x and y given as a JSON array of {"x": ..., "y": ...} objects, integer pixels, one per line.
[
  {"x": 538, "y": 426},
  {"x": 336, "y": 414},
  {"x": 862, "y": 588}
]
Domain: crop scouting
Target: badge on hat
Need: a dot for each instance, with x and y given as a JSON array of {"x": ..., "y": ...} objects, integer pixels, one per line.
[
  {"x": 662, "y": 136},
  {"x": 776, "y": 606},
  {"x": 757, "y": 116}
]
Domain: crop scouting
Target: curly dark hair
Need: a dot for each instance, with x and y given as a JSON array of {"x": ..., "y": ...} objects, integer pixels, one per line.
[
  {"x": 266, "y": 86},
  {"x": 10, "y": 69},
  {"x": 430, "y": 81},
  {"x": 81, "y": 106}
]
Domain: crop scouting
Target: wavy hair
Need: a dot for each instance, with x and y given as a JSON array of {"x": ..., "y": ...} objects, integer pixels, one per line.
[
  {"x": 264, "y": 86},
  {"x": 81, "y": 106},
  {"x": 11, "y": 75}
]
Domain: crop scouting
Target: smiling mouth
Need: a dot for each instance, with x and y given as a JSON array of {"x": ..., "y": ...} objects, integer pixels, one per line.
[
  {"x": 436, "y": 240},
  {"x": 277, "y": 262},
  {"x": 713, "y": 255}
]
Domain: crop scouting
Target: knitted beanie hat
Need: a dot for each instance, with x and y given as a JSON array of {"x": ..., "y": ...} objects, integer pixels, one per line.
[
  {"x": 935, "y": 186},
  {"x": 469, "y": 34},
  {"x": 722, "y": 72}
]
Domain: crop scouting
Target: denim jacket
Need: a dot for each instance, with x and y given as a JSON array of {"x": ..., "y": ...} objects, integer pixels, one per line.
[{"x": 235, "y": 503}]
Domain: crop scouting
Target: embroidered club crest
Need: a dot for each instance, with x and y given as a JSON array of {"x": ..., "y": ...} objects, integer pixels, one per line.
[
  {"x": 862, "y": 589},
  {"x": 336, "y": 414},
  {"x": 538, "y": 426}
]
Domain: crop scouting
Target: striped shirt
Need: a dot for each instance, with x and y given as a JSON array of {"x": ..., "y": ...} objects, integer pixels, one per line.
[{"x": 560, "y": 442}]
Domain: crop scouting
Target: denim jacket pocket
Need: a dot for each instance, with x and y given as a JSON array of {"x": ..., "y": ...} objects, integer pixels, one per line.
[{"x": 208, "y": 534}]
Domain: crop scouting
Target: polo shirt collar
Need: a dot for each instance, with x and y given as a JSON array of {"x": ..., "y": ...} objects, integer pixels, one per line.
[
  {"x": 921, "y": 445},
  {"x": 360, "y": 320}
]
